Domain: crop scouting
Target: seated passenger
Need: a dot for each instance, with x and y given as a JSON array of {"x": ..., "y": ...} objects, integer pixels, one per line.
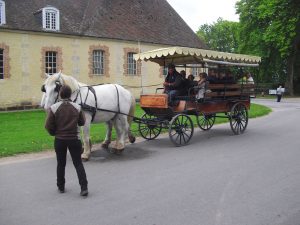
[
  {"x": 212, "y": 76},
  {"x": 201, "y": 86},
  {"x": 184, "y": 85},
  {"x": 242, "y": 79},
  {"x": 173, "y": 84},
  {"x": 183, "y": 74},
  {"x": 189, "y": 83},
  {"x": 191, "y": 77},
  {"x": 249, "y": 78},
  {"x": 228, "y": 79}
]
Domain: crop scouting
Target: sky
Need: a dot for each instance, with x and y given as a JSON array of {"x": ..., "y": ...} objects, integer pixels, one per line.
[{"x": 198, "y": 12}]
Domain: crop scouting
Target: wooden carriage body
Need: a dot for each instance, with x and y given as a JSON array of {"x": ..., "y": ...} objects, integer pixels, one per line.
[{"x": 231, "y": 99}]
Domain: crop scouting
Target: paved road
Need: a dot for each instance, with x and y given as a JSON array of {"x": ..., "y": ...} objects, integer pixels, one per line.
[{"x": 219, "y": 179}]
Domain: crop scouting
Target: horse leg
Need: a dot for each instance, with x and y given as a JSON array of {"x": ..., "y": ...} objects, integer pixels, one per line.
[
  {"x": 86, "y": 139},
  {"x": 107, "y": 139},
  {"x": 130, "y": 119},
  {"x": 121, "y": 126}
]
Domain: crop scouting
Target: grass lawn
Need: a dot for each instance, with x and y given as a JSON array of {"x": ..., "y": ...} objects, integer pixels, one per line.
[{"x": 23, "y": 132}]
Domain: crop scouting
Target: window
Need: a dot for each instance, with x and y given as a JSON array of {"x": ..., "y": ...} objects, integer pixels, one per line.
[
  {"x": 131, "y": 67},
  {"x": 2, "y": 13},
  {"x": 165, "y": 71},
  {"x": 51, "y": 18},
  {"x": 131, "y": 64},
  {"x": 1, "y": 64},
  {"x": 195, "y": 71},
  {"x": 50, "y": 62},
  {"x": 98, "y": 62}
]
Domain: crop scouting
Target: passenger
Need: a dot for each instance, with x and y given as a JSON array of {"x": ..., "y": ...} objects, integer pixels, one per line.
[
  {"x": 250, "y": 81},
  {"x": 173, "y": 84},
  {"x": 201, "y": 86},
  {"x": 229, "y": 78},
  {"x": 183, "y": 74},
  {"x": 191, "y": 77},
  {"x": 221, "y": 77},
  {"x": 212, "y": 76},
  {"x": 184, "y": 85},
  {"x": 249, "y": 78},
  {"x": 189, "y": 84},
  {"x": 242, "y": 79}
]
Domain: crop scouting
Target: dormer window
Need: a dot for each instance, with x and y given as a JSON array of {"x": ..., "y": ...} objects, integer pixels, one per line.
[
  {"x": 2, "y": 13},
  {"x": 51, "y": 18}
]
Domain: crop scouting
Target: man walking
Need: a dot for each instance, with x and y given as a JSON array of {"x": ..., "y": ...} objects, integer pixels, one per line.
[{"x": 279, "y": 92}]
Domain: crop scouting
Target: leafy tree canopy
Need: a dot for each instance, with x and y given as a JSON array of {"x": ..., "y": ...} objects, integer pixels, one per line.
[
  {"x": 220, "y": 36},
  {"x": 268, "y": 24}
]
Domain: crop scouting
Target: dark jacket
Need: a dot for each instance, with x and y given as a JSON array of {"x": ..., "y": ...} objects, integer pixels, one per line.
[
  {"x": 176, "y": 81},
  {"x": 63, "y": 120}
]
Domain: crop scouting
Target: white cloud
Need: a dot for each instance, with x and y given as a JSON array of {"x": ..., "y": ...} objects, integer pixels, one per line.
[{"x": 198, "y": 12}]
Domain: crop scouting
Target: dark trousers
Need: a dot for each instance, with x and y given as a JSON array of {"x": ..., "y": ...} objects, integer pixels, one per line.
[
  {"x": 74, "y": 147},
  {"x": 279, "y": 98},
  {"x": 171, "y": 95}
]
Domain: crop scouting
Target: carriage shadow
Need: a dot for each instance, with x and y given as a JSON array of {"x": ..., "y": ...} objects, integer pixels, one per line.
[
  {"x": 131, "y": 152},
  {"x": 145, "y": 149}
]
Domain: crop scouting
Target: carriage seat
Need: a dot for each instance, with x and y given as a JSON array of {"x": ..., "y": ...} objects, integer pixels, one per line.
[{"x": 230, "y": 90}]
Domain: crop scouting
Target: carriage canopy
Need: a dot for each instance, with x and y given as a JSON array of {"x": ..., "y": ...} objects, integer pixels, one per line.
[{"x": 183, "y": 56}]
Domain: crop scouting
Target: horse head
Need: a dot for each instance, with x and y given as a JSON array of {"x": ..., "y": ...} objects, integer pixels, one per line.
[
  {"x": 52, "y": 85},
  {"x": 50, "y": 89}
]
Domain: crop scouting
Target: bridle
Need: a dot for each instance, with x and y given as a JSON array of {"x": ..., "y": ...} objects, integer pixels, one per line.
[{"x": 58, "y": 85}]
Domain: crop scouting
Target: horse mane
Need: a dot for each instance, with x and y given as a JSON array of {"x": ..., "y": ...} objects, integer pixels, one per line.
[
  {"x": 65, "y": 79},
  {"x": 70, "y": 81}
]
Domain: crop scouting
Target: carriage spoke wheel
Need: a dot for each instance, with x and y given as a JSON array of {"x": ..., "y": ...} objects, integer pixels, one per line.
[
  {"x": 181, "y": 129},
  {"x": 205, "y": 122},
  {"x": 238, "y": 118},
  {"x": 150, "y": 128}
]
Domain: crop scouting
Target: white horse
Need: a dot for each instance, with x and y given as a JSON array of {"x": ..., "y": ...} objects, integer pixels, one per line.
[{"x": 110, "y": 103}]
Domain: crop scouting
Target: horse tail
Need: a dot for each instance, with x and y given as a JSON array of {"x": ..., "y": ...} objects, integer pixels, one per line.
[{"x": 130, "y": 119}]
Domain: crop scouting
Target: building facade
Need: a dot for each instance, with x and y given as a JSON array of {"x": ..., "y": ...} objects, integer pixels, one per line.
[{"x": 93, "y": 41}]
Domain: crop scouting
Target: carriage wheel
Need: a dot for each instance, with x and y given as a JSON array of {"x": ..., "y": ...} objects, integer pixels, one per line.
[
  {"x": 205, "y": 122},
  {"x": 181, "y": 129},
  {"x": 151, "y": 128},
  {"x": 238, "y": 118}
]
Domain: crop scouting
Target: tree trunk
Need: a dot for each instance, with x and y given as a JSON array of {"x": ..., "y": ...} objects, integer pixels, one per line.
[
  {"x": 289, "y": 84},
  {"x": 291, "y": 62}
]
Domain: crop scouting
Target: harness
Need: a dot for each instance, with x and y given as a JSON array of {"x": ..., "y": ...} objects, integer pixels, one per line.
[
  {"x": 83, "y": 104},
  {"x": 93, "y": 109}
]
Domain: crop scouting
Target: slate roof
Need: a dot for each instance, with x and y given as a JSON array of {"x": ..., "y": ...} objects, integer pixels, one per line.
[{"x": 150, "y": 21}]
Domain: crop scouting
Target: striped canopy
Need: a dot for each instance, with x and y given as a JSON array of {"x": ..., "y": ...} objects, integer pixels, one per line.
[{"x": 183, "y": 56}]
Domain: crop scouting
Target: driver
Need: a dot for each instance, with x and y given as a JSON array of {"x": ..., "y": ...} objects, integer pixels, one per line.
[{"x": 173, "y": 84}]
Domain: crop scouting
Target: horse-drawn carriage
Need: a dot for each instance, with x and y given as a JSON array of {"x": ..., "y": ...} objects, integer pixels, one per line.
[
  {"x": 113, "y": 104},
  {"x": 231, "y": 99}
]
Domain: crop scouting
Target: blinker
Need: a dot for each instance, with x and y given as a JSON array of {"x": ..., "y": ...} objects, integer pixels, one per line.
[
  {"x": 58, "y": 86},
  {"x": 43, "y": 89}
]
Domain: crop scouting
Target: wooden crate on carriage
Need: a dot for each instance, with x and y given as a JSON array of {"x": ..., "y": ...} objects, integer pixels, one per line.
[{"x": 154, "y": 101}]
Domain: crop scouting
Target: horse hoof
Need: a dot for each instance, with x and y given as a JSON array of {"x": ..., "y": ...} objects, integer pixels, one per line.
[
  {"x": 117, "y": 151},
  {"x": 84, "y": 159},
  {"x": 105, "y": 146},
  {"x": 132, "y": 139}
]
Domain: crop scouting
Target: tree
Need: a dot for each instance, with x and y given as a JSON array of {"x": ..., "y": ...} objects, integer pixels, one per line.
[
  {"x": 271, "y": 29},
  {"x": 220, "y": 36}
]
